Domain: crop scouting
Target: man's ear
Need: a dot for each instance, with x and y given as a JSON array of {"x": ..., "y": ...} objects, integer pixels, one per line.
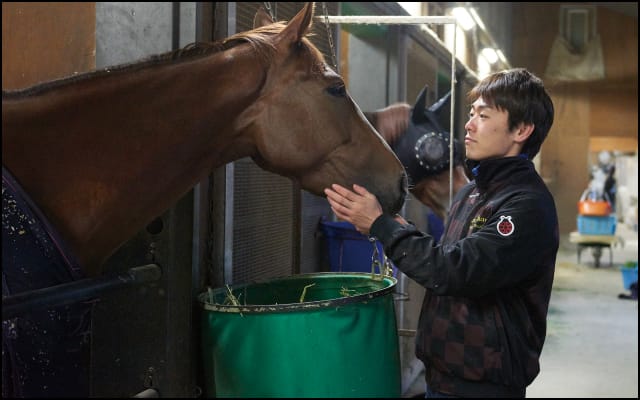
[{"x": 523, "y": 131}]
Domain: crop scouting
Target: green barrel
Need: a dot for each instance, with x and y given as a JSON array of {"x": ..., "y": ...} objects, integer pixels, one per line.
[{"x": 310, "y": 335}]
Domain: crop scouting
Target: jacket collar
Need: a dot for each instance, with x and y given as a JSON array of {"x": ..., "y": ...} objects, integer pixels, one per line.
[{"x": 497, "y": 169}]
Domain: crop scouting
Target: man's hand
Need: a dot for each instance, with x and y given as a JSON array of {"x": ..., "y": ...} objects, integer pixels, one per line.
[
  {"x": 358, "y": 207},
  {"x": 392, "y": 120}
]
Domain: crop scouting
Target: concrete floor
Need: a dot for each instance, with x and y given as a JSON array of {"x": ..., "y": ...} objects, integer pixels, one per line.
[{"x": 591, "y": 349}]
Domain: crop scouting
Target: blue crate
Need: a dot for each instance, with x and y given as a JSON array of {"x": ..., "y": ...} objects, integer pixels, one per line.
[
  {"x": 349, "y": 250},
  {"x": 592, "y": 225}
]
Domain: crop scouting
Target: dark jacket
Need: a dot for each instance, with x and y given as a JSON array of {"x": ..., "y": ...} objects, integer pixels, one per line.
[{"x": 488, "y": 284}]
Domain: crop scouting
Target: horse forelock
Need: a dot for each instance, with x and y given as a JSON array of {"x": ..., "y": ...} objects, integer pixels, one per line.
[
  {"x": 261, "y": 41},
  {"x": 317, "y": 55}
]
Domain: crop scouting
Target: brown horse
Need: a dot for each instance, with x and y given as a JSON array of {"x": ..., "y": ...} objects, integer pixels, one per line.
[
  {"x": 434, "y": 191},
  {"x": 103, "y": 153}
]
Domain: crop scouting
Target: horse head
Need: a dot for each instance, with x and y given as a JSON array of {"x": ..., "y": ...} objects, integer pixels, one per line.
[
  {"x": 306, "y": 126},
  {"x": 424, "y": 150}
]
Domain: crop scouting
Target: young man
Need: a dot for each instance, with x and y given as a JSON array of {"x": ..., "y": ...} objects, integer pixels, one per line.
[{"x": 488, "y": 284}]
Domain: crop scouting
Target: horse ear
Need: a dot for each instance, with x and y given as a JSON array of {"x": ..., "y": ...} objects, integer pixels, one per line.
[
  {"x": 417, "y": 116},
  {"x": 261, "y": 18},
  {"x": 442, "y": 110},
  {"x": 299, "y": 25}
]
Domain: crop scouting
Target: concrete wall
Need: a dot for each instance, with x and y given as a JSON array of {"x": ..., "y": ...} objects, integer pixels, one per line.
[
  {"x": 152, "y": 343},
  {"x": 371, "y": 87},
  {"x": 129, "y": 31}
]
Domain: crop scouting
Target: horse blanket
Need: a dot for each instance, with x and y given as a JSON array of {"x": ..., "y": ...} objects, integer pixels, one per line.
[{"x": 45, "y": 353}]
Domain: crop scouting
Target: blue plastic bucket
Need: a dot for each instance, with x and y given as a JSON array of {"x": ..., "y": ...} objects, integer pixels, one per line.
[{"x": 349, "y": 250}]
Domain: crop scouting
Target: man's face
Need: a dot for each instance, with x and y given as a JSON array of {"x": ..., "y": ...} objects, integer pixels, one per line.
[{"x": 488, "y": 135}]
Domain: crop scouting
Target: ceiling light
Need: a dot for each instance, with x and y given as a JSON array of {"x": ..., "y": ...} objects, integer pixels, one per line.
[
  {"x": 490, "y": 55},
  {"x": 502, "y": 56},
  {"x": 476, "y": 18},
  {"x": 463, "y": 17}
]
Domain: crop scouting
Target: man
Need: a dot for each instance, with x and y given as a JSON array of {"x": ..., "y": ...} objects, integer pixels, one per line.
[{"x": 483, "y": 320}]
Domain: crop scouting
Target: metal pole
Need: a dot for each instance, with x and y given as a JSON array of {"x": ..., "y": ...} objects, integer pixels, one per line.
[
  {"x": 74, "y": 292},
  {"x": 148, "y": 393},
  {"x": 389, "y": 19},
  {"x": 452, "y": 113}
]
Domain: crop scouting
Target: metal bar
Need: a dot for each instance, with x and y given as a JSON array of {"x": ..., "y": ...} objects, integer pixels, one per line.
[
  {"x": 229, "y": 187},
  {"x": 148, "y": 393},
  {"x": 73, "y": 292},
  {"x": 452, "y": 115},
  {"x": 388, "y": 19}
]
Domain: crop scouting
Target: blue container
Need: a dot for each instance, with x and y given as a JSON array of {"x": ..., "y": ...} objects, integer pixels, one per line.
[
  {"x": 629, "y": 275},
  {"x": 592, "y": 225},
  {"x": 349, "y": 250}
]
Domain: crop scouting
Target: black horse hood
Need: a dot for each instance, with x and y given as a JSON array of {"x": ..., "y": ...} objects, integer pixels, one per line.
[{"x": 423, "y": 148}]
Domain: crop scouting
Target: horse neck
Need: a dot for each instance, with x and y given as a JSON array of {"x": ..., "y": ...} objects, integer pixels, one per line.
[
  {"x": 433, "y": 192},
  {"x": 113, "y": 152}
]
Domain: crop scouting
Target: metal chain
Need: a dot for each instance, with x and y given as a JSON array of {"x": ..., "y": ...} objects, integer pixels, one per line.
[
  {"x": 375, "y": 257},
  {"x": 267, "y": 5},
  {"x": 385, "y": 268},
  {"x": 388, "y": 266},
  {"x": 330, "y": 37}
]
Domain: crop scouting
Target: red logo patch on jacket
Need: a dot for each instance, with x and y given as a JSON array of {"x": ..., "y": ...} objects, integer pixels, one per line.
[{"x": 505, "y": 226}]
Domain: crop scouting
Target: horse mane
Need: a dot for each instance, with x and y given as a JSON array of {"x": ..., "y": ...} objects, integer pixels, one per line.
[{"x": 257, "y": 38}]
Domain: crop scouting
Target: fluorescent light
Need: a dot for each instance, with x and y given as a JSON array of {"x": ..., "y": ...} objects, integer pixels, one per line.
[
  {"x": 464, "y": 18},
  {"x": 502, "y": 56},
  {"x": 484, "y": 68},
  {"x": 477, "y": 19},
  {"x": 490, "y": 55},
  {"x": 413, "y": 8}
]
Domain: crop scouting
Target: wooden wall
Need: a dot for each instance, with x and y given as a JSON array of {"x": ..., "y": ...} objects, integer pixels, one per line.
[
  {"x": 590, "y": 116},
  {"x": 45, "y": 41}
]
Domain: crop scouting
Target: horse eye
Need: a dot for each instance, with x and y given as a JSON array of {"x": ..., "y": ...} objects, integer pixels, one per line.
[{"x": 337, "y": 90}]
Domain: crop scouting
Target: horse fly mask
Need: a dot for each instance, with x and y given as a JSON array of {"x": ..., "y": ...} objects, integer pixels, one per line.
[{"x": 423, "y": 148}]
